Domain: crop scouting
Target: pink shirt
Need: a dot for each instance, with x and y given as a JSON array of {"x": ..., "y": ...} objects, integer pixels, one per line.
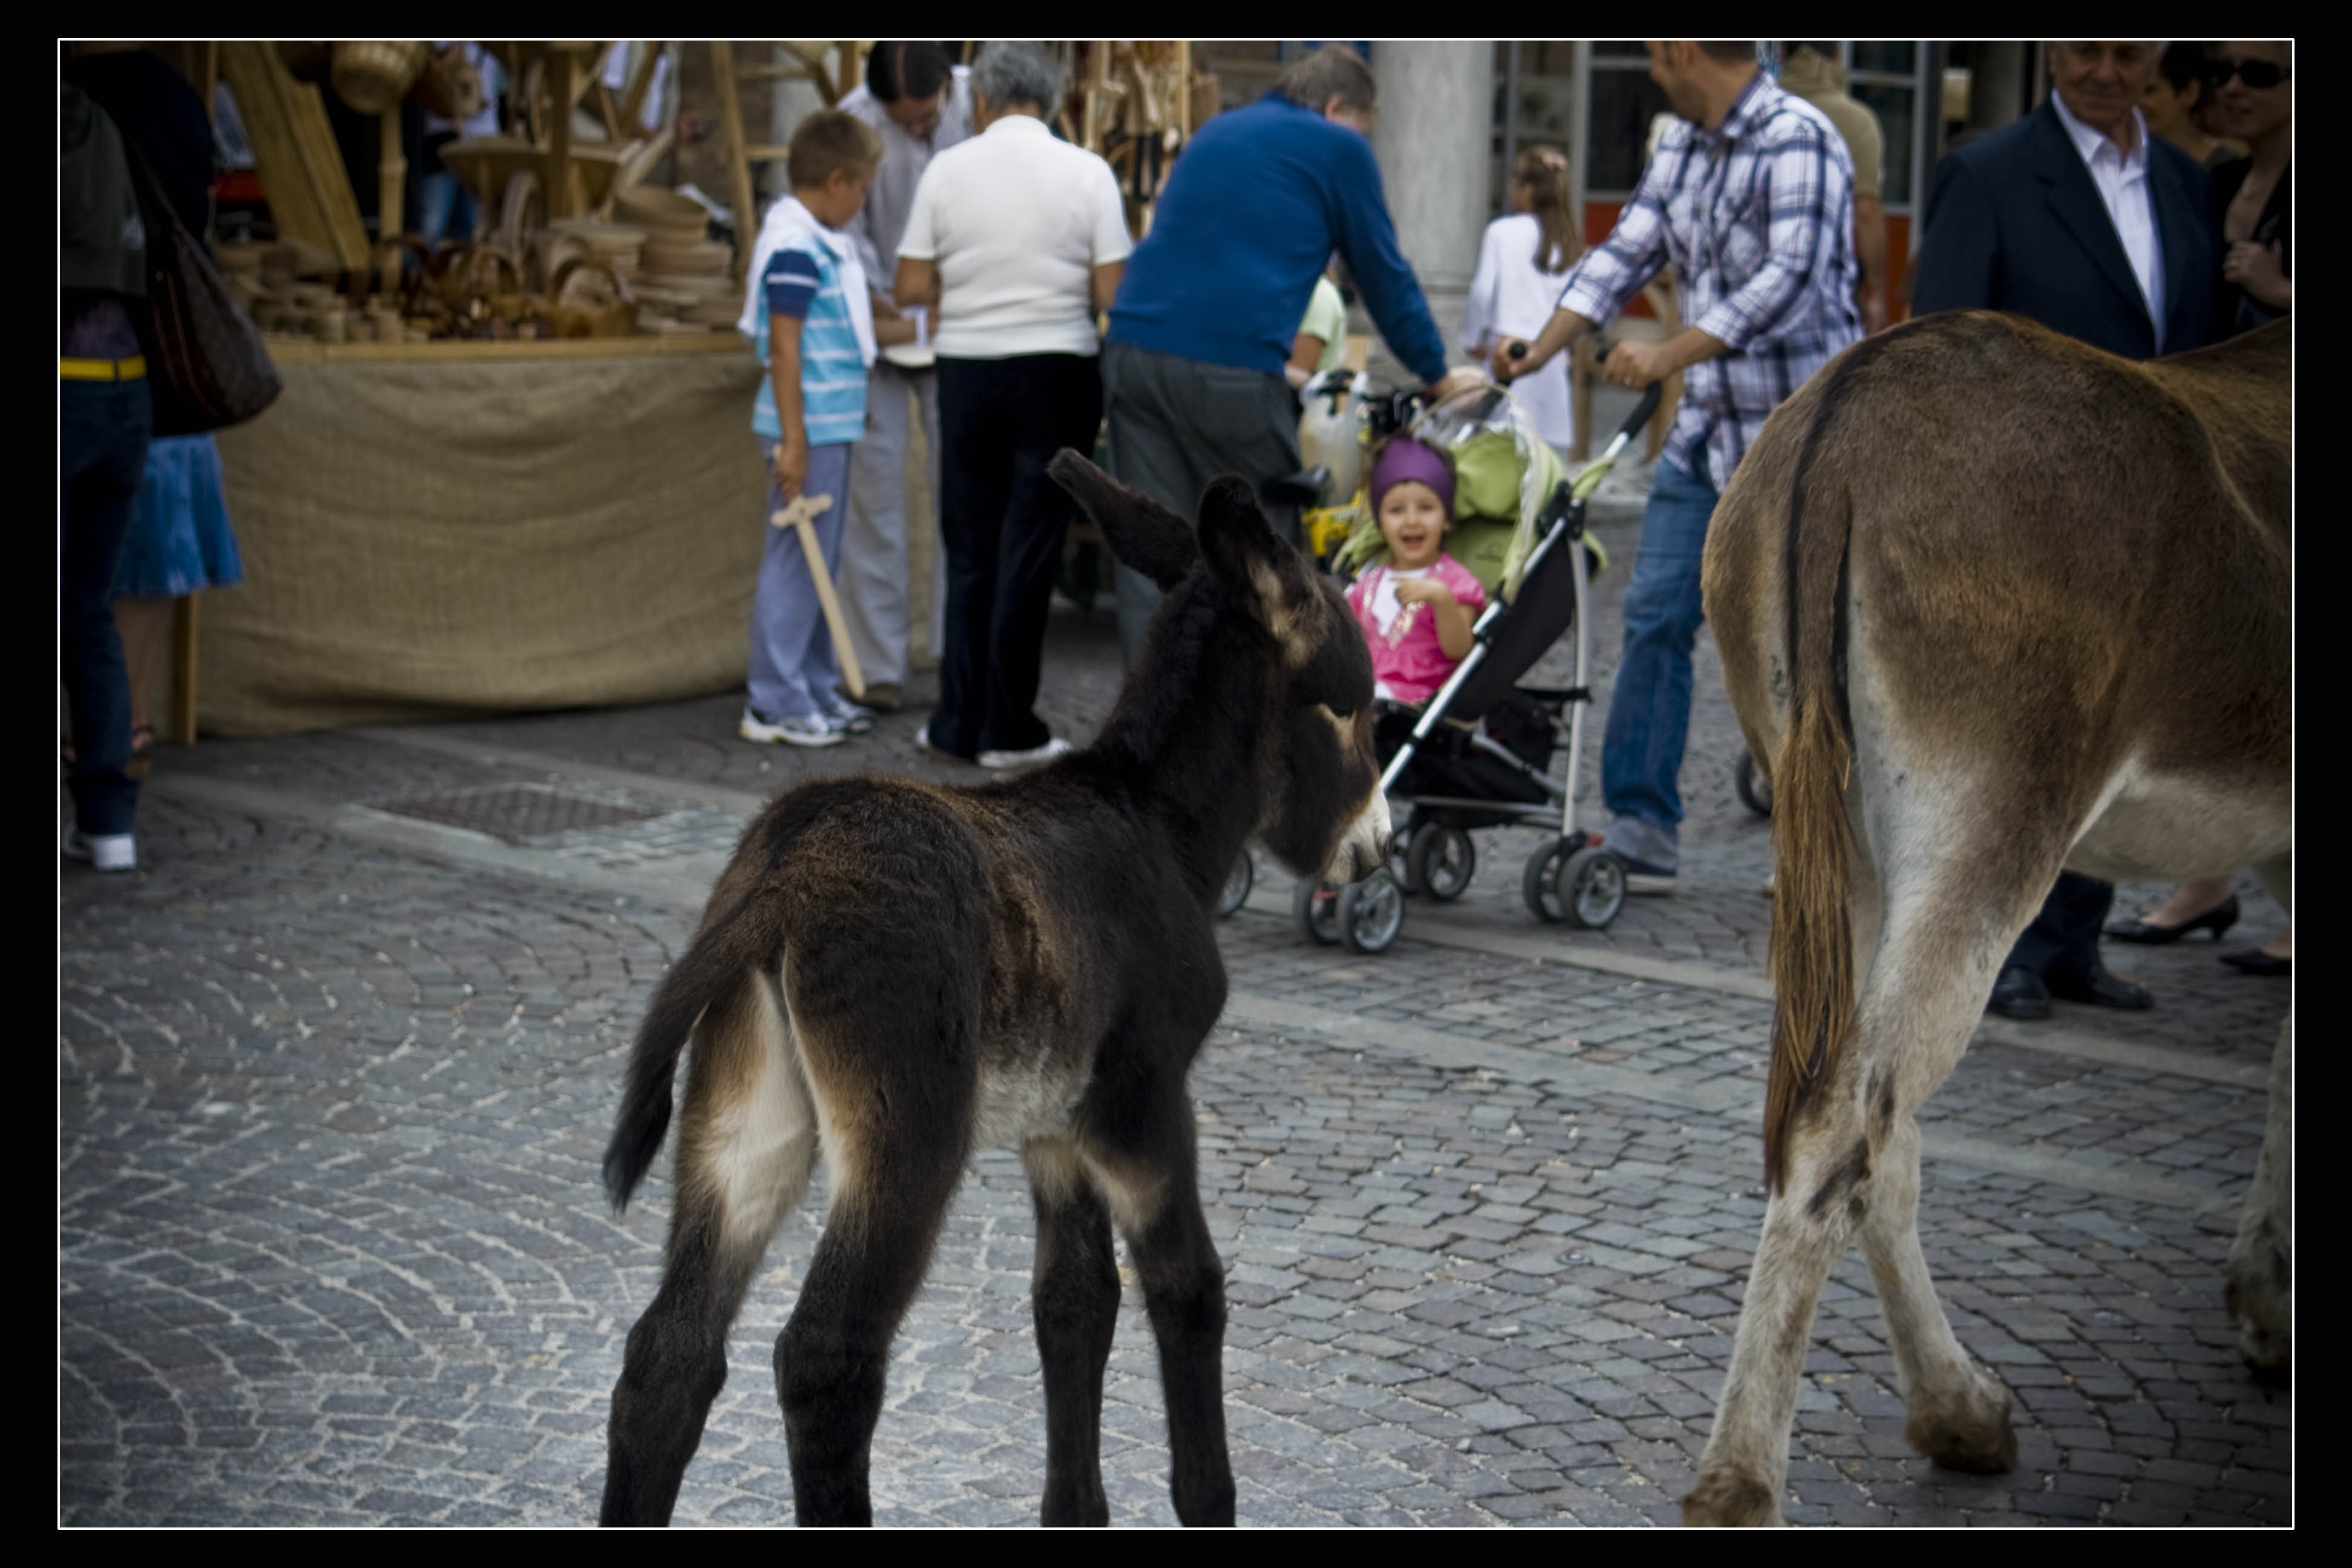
[{"x": 1408, "y": 662}]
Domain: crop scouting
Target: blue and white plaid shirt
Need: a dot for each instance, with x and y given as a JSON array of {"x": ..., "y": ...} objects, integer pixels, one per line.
[{"x": 1757, "y": 219}]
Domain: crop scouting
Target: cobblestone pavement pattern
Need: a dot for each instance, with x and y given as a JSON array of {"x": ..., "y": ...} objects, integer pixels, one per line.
[{"x": 334, "y": 1083}]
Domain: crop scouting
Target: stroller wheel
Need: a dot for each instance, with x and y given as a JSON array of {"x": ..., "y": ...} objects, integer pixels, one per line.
[
  {"x": 1316, "y": 907},
  {"x": 1442, "y": 862},
  {"x": 1237, "y": 886},
  {"x": 1755, "y": 789},
  {"x": 1371, "y": 913},
  {"x": 1591, "y": 888},
  {"x": 1539, "y": 883}
]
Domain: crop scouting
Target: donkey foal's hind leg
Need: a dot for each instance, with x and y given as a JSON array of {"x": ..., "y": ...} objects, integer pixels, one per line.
[
  {"x": 1075, "y": 1297},
  {"x": 747, "y": 1142}
]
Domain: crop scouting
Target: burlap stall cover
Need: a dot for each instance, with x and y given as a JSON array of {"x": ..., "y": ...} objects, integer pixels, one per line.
[{"x": 428, "y": 540}]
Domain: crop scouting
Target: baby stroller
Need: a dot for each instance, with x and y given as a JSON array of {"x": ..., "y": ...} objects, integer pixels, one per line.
[{"x": 1479, "y": 753}]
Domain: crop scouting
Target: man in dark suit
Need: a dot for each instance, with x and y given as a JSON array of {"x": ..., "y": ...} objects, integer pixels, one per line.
[{"x": 2076, "y": 217}]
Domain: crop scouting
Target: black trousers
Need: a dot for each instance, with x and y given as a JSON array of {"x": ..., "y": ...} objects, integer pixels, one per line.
[
  {"x": 1001, "y": 523},
  {"x": 2065, "y": 935}
]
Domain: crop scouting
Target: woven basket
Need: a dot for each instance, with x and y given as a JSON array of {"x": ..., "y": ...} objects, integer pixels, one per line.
[
  {"x": 590, "y": 299},
  {"x": 373, "y": 75},
  {"x": 451, "y": 87}
]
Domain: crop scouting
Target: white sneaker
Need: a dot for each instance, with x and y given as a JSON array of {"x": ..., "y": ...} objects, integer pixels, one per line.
[
  {"x": 1054, "y": 747},
  {"x": 803, "y": 730},
  {"x": 851, "y": 718},
  {"x": 930, "y": 748},
  {"x": 106, "y": 851}
]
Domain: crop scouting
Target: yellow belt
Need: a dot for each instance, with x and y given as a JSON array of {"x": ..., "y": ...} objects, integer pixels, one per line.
[{"x": 129, "y": 369}]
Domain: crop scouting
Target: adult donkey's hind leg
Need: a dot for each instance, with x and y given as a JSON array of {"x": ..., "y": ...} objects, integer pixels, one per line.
[
  {"x": 1075, "y": 1298},
  {"x": 747, "y": 1141},
  {"x": 2261, "y": 1260}
]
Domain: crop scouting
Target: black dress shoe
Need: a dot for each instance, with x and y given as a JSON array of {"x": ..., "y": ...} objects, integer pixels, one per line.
[
  {"x": 2217, "y": 919},
  {"x": 2020, "y": 993},
  {"x": 2097, "y": 987},
  {"x": 2257, "y": 962}
]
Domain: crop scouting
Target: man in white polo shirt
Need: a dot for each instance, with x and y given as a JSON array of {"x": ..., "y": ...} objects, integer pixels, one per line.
[{"x": 1020, "y": 238}]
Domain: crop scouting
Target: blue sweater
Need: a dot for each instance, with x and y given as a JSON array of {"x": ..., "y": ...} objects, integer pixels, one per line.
[{"x": 1248, "y": 219}]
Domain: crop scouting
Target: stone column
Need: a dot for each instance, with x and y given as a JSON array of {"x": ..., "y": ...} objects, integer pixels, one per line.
[{"x": 1433, "y": 140}]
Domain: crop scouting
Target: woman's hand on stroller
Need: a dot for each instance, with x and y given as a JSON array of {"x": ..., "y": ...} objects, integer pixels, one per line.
[{"x": 1464, "y": 378}]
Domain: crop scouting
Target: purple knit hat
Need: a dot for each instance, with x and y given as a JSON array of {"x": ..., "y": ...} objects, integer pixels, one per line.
[{"x": 1405, "y": 459}]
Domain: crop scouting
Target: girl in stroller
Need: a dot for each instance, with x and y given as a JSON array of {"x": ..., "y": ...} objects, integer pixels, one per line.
[{"x": 1417, "y": 607}]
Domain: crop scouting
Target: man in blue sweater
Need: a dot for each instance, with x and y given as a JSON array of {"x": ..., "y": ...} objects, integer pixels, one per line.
[{"x": 1211, "y": 298}]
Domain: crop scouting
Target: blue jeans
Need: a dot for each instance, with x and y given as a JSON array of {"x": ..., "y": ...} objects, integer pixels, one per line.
[
  {"x": 446, "y": 209},
  {"x": 103, "y": 429},
  {"x": 1649, "y": 716},
  {"x": 793, "y": 670}
]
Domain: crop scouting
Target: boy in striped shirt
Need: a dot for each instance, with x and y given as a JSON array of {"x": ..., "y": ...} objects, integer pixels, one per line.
[{"x": 811, "y": 319}]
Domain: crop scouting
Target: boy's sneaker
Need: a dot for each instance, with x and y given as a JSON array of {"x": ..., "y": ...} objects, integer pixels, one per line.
[
  {"x": 802, "y": 729},
  {"x": 850, "y": 719},
  {"x": 106, "y": 851},
  {"x": 1054, "y": 747}
]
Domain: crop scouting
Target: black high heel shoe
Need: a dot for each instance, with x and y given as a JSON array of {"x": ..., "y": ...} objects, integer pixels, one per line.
[
  {"x": 2259, "y": 963},
  {"x": 2217, "y": 919}
]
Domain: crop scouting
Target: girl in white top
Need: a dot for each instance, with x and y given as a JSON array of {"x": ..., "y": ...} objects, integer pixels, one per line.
[{"x": 1522, "y": 265}]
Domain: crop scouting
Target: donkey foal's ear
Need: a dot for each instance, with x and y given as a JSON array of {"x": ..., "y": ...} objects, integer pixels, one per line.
[
  {"x": 1144, "y": 536},
  {"x": 1246, "y": 555}
]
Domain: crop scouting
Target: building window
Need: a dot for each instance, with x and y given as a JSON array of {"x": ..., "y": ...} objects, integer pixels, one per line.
[{"x": 1625, "y": 101}]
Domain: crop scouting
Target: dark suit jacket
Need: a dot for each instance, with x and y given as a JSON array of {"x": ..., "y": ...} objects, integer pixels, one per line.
[{"x": 2016, "y": 224}]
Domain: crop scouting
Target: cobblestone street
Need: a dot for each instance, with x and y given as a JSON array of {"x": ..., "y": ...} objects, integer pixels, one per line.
[{"x": 336, "y": 1075}]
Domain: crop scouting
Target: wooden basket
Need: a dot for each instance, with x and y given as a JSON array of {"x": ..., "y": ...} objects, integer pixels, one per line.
[
  {"x": 588, "y": 299},
  {"x": 451, "y": 87},
  {"x": 373, "y": 75}
]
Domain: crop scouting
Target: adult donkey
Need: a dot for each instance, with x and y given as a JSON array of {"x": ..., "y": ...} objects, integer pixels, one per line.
[
  {"x": 892, "y": 974},
  {"x": 1992, "y": 603}
]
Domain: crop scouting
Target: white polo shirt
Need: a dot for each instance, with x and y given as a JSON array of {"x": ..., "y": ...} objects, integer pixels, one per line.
[
  {"x": 1016, "y": 222},
  {"x": 2131, "y": 207}
]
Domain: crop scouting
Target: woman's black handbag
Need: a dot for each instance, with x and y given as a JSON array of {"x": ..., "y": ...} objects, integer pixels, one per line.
[{"x": 207, "y": 367}]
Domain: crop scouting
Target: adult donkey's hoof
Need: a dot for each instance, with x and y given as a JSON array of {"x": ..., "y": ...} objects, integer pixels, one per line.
[
  {"x": 1726, "y": 1498},
  {"x": 1967, "y": 1428}
]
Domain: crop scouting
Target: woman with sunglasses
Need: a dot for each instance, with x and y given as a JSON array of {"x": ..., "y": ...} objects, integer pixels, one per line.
[{"x": 2253, "y": 80}]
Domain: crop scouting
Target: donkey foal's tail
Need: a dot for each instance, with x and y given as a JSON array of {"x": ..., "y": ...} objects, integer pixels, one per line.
[{"x": 712, "y": 965}]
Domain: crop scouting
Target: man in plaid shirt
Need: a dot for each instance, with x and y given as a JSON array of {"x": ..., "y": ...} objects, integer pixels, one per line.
[{"x": 1751, "y": 199}]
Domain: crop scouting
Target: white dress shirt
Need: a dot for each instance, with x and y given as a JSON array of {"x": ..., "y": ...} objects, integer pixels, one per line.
[
  {"x": 877, "y": 229},
  {"x": 2131, "y": 206}
]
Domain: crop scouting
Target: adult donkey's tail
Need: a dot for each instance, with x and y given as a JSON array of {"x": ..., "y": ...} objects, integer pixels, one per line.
[
  {"x": 731, "y": 944},
  {"x": 1812, "y": 837}
]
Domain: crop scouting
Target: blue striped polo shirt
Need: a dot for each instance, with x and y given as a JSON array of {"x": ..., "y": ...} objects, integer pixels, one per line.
[{"x": 803, "y": 279}]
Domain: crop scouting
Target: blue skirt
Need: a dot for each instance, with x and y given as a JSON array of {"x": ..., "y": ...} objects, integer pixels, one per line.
[{"x": 180, "y": 539}]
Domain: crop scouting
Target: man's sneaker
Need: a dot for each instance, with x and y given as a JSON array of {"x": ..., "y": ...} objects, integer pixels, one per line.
[
  {"x": 850, "y": 719},
  {"x": 1054, "y": 747},
  {"x": 802, "y": 729},
  {"x": 106, "y": 851},
  {"x": 1647, "y": 880},
  {"x": 932, "y": 748}
]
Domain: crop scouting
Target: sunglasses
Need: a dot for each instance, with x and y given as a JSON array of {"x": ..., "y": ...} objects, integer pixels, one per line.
[{"x": 2256, "y": 74}]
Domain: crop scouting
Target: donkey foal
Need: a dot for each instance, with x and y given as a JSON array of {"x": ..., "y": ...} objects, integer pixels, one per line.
[{"x": 892, "y": 974}]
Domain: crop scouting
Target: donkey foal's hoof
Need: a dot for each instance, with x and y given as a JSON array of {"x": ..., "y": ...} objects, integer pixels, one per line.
[
  {"x": 1725, "y": 1498},
  {"x": 1968, "y": 1430}
]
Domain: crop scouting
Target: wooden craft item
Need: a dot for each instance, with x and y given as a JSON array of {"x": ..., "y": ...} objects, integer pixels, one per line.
[
  {"x": 802, "y": 513},
  {"x": 295, "y": 155}
]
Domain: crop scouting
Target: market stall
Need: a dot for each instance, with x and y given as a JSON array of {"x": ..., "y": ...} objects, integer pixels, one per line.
[{"x": 514, "y": 472}]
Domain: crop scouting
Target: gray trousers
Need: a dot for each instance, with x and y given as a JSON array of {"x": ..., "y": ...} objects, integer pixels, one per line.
[
  {"x": 875, "y": 580},
  {"x": 1175, "y": 424}
]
